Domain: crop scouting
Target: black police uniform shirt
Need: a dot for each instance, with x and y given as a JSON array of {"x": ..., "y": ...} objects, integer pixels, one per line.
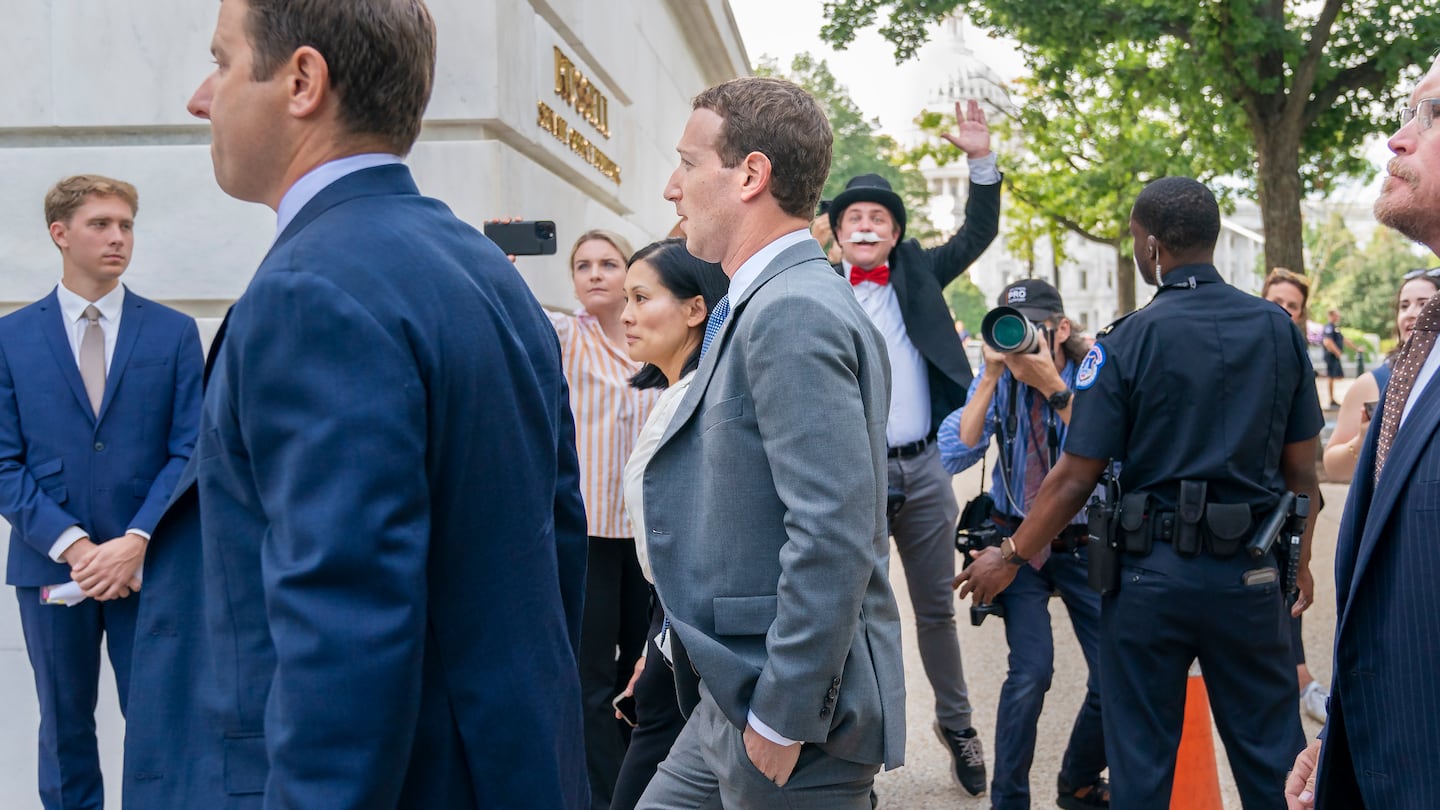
[{"x": 1204, "y": 383}]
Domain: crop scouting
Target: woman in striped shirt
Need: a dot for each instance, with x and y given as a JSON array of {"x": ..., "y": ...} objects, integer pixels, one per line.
[{"x": 608, "y": 416}]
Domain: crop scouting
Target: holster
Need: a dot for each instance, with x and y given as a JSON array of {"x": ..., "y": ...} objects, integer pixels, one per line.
[
  {"x": 1189, "y": 512},
  {"x": 1104, "y": 557},
  {"x": 1134, "y": 526},
  {"x": 1227, "y": 527}
]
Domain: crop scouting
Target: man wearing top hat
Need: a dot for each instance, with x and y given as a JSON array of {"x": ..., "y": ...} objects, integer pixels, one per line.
[{"x": 900, "y": 286}]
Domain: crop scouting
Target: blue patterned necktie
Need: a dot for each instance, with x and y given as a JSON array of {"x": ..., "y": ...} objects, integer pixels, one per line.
[{"x": 717, "y": 320}]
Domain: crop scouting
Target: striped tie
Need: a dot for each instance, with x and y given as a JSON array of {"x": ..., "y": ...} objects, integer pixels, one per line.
[{"x": 717, "y": 320}]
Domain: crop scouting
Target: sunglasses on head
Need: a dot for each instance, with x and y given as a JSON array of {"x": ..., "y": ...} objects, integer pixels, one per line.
[{"x": 1432, "y": 272}]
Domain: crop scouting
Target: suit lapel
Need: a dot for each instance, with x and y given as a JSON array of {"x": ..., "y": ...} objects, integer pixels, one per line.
[
  {"x": 130, "y": 325},
  {"x": 53, "y": 326},
  {"x": 1411, "y": 442},
  {"x": 805, "y": 251}
]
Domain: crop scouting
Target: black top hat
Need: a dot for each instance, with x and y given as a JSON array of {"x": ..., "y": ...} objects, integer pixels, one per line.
[
  {"x": 1036, "y": 299},
  {"x": 869, "y": 188}
]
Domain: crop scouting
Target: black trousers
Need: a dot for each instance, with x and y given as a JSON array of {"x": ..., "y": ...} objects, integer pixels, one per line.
[
  {"x": 1168, "y": 612},
  {"x": 612, "y": 635},
  {"x": 660, "y": 720}
]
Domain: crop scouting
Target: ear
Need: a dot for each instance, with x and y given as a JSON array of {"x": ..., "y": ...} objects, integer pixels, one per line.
[
  {"x": 755, "y": 171},
  {"x": 307, "y": 82},
  {"x": 694, "y": 310},
  {"x": 59, "y": 234},
  {"x": 1152, "y": 246}
]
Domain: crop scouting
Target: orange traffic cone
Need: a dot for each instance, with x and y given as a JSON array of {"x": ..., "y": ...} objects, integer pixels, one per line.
[{"x": 1197, "y": 780}]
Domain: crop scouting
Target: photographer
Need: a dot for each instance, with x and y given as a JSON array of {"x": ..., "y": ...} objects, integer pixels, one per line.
[{"x": 1024, "y": 400}]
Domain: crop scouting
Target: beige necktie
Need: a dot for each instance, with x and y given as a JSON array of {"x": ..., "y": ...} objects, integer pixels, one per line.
[{"x": 92, "y": 358}]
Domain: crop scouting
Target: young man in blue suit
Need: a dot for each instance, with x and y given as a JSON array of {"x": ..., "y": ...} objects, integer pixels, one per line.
[
  {"x": 99, "y": 403},
  {"x": 392, "y": 535},
  {"x": 1382, "y": 737}
]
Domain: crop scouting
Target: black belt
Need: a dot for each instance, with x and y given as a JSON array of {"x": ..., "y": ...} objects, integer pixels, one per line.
[{"x": 910, "y": 450}]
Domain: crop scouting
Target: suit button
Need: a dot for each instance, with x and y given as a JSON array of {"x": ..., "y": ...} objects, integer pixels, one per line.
[{"x": 99, "y": 447}]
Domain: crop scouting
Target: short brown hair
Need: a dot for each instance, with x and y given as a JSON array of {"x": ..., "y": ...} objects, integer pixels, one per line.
[
  {"x": 781, "y": 121},
  {"x": 1285, "y": 275},
  {"x": 65, "y": 197},
  {"x": 381, "y": 56}
]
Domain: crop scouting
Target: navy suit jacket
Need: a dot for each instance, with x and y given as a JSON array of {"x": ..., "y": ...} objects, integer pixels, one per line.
[
  {"x": 1382, "y": 741},
  {"x": 61, "y": 465},
  {"x": 392, "y": 536}
]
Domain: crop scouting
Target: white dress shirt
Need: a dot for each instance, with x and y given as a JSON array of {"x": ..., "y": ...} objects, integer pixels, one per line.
[
  {"x": 909, "y": 383},
  {"x": 645, "y": 446},
  {"x": 1422, "y": 379},
  {"x": 72, "y": 309}
]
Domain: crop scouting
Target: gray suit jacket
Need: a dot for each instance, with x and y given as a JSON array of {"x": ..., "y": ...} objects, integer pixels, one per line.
[{"x": 765, "y": 503}]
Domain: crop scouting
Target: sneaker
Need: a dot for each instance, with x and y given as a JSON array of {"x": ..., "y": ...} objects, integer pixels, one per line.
[
  {"x": 1314, "y": 700},
  {"x": 969, "y": 757},
  {"x": 1097, "y": 794}
]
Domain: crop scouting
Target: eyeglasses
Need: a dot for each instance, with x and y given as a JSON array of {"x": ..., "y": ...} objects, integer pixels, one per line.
[
  {"x": 1424, "y": 109},
  {"x": 1433, "y": 272}
]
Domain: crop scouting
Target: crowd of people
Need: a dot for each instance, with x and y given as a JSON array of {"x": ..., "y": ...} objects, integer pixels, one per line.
[{"x": 405, "y": 539}]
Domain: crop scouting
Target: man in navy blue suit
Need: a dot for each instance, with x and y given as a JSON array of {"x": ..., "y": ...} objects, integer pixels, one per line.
[
  {"x": 1381, "y": 742},
  {"x": 99, "y": 403},
  {"x": 392, "y": 535}
]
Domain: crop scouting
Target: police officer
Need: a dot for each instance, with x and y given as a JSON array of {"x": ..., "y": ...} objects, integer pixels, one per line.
[
  {"x": 1207, "y": 398},
  {"x": 1023, "y": 399}
]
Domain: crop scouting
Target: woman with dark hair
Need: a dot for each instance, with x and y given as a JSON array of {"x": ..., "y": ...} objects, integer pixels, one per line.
[
  {"x": 608, "y": 415},
  {"x": 669, "y": 295},
  {"x": 1343, "y": 449}
]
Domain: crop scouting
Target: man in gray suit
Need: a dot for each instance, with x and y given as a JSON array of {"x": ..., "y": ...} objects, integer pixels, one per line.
[{"x": 765, "y": 500}]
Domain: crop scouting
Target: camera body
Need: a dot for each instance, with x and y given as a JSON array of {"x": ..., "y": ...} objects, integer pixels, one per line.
[
  {"x": 1007, "y": 330},
  {"x": 978, "y": 535}
]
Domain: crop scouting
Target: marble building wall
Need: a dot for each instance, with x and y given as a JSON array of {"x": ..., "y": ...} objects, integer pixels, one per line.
[{"x": 100, "y": 86}]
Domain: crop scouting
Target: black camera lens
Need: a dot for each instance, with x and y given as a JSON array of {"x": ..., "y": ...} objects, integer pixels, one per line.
[{"x": 545, "y": 230}]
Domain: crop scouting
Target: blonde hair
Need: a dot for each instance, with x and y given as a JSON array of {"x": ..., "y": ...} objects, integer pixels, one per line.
[
  {"x": 66, "y": 196},
  {"x": 616, "y": 241}
]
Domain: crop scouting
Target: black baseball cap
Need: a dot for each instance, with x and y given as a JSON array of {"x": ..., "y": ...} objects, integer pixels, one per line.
[{"x": 1036, "y": 299}]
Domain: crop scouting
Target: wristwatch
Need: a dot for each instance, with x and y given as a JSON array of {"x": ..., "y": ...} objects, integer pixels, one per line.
[
  {"x": 1007, "y": 553},
  {"x": 1058, "y": 400}
]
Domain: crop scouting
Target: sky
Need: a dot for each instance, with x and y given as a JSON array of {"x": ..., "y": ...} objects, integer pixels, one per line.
[{"x": 894, "y": 94}]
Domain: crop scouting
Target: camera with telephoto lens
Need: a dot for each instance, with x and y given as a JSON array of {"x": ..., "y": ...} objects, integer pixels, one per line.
[
  {"x": 977, "y": 532},
  {"x": 1008, "y": 331}
]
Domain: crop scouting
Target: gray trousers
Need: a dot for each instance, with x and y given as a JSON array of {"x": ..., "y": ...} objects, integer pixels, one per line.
[
  {"x": 708, "y": 768},
  {"x": 924, "y": 532}
]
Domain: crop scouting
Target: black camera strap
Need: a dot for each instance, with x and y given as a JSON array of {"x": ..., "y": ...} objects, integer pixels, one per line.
[{"x": 1008, "y": 425}]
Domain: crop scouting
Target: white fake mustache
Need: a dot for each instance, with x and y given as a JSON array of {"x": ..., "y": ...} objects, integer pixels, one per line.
[{"x": 864, "y": 237}]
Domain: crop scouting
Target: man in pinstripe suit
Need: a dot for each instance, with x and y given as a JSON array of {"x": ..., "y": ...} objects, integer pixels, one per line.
[{"x": 1380, "y": 747}]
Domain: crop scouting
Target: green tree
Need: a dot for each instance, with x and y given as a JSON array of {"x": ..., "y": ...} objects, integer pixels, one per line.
[
  {"x": 966, "y": 302},
  {"x": 1331, "y": 248},
  {"x": 1304, "y": 81},
  {"x": 859, "y": 147},
  {"x": 1078, "y": 163},
  {"x": 1365, "y": 283}
]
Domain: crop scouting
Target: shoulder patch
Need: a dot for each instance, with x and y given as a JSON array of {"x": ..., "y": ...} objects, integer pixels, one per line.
[{"x": 1090, "y": 367}]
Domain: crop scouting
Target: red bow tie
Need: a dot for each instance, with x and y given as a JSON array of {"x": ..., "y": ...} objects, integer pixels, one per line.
[{"x": 880, "y": 275}]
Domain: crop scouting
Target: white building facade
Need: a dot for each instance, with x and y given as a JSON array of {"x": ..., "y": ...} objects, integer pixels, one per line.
[{"x": 547, "y": 109}]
